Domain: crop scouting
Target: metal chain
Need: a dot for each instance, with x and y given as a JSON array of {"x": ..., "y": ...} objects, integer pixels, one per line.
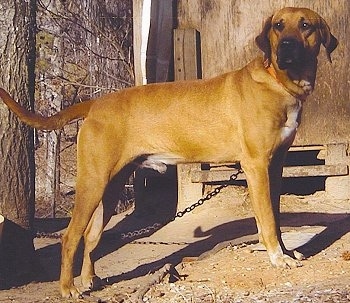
[
  {"x": 208, "y": 196},
  {"x": 140, "y": 232},
  {"x": 179, "y": 214},
  {"x": 48, "y": 235},
  {"x": 156, "y": 226},
  {"x": 158, "y": 243}
]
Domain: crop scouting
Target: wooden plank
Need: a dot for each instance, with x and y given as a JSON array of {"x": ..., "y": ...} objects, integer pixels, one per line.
[
  {"x": 187, "y": 191},
  {"x": 206, "y": 176},
  {"x": 185, "y": 54},
  {"x": 137, "y": 37},
  {"x": 307, "y": 148},
  {"x": 338, "y": 187},
  {"x": 315, "y": 171}
]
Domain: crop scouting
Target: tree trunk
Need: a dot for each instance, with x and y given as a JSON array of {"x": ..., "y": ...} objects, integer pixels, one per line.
[
  {"x": 53, "y": 94},
  {"x": 17, "y": 62}
]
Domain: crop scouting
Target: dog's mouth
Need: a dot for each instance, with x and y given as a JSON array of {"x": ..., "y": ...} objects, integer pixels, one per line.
[
  {"x": 290, "y": 54},
  {"x": 287, "y": 62}
]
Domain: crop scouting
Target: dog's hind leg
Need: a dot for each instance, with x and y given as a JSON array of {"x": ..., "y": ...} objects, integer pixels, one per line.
[
  {"x": 94, "y": 169},
  {"x": 92, "y": 236},
  {"x": 98, "y": 221},
  {"x": 88, "y": 196}
]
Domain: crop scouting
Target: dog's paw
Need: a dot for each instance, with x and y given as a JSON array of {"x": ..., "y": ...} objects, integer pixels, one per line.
[
  {"x": 285, "y": 261},
  {"x": 68, "y": 292},
  {"x": 92, "y": 283},
  {"x": 298, "y": 255}
]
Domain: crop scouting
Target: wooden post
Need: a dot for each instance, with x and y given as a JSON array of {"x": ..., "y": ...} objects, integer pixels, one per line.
[
  {"x": 186, "y": 68},
  {"x": 137, "y": 25},
  {"x": 186, "y": 56},
  {"x": 338, "y": 187}
]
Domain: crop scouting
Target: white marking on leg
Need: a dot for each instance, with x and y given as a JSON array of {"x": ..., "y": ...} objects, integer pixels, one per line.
[
  {"x": 291, "y": 125},
  {"x": 275, "y": 256}
]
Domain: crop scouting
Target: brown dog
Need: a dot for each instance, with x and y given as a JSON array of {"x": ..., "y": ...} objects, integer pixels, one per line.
[{"x": 257, "y": 113}]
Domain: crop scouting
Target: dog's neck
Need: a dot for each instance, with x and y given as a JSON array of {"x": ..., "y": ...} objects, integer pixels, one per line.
[{"x": 300, "y": 84}]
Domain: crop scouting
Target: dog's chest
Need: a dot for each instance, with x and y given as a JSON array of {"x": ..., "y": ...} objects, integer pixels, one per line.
[{"x": 290, "y": 127}]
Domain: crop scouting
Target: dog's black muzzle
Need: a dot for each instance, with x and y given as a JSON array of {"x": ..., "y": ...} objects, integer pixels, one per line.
[{"x": 290, "y": 53}]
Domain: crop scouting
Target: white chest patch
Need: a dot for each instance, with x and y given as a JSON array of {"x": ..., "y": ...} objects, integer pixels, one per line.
[{"x": 291, "y": 125}]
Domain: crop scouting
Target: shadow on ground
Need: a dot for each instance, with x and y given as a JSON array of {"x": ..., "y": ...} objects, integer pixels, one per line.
[
  {"x": 161, "y": 202},
  {"x": 336, "y": 225}
]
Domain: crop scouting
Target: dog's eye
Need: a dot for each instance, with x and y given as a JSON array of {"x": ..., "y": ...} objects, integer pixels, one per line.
[
  {"x": 305, "y": 25},
  {"x": 278, "y": 26}
]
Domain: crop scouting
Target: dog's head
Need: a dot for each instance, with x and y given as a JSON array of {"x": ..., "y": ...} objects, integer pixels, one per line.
[{"x": 292, "y": 37}]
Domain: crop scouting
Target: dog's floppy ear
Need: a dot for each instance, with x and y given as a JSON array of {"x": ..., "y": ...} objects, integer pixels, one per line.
[
  {"x": 263, "y": 41},
  {"x": 327, "y": 39}
]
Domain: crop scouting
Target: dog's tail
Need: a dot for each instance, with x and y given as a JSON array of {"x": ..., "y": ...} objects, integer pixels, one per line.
[{"x": 38, "y": 121}]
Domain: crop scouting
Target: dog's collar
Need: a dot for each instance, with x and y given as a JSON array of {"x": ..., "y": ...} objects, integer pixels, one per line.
[{"x": 272, "y": 71}]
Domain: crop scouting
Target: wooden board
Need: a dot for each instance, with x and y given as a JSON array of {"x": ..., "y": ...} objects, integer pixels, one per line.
[
  {"x": 228, "y": 30},
  {"x": 185, "y": 54},
  {"x": 207, "y": 176},
  {"x": 137, "y": 40}
]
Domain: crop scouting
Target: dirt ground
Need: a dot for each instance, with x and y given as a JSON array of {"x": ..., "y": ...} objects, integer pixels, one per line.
[{"x": 213, "y": 254}]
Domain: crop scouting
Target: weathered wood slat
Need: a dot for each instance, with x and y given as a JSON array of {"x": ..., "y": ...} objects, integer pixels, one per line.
[
  {"x": 185, "y": 54},
  {"x": 205, "y": 176},
  {"x": 137, "y": 40}
]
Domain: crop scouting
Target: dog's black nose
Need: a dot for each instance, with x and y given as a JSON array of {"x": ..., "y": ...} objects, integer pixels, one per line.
[
  {"x": 288, "y": 43},
  {"x": 289, "y": 53}
]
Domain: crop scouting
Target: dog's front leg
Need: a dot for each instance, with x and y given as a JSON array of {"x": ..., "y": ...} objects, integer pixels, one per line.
[
  {"x": 275, "y": 179},
  {"x": 257, "y": 173},
  {"x": 275, "y": 175}
]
